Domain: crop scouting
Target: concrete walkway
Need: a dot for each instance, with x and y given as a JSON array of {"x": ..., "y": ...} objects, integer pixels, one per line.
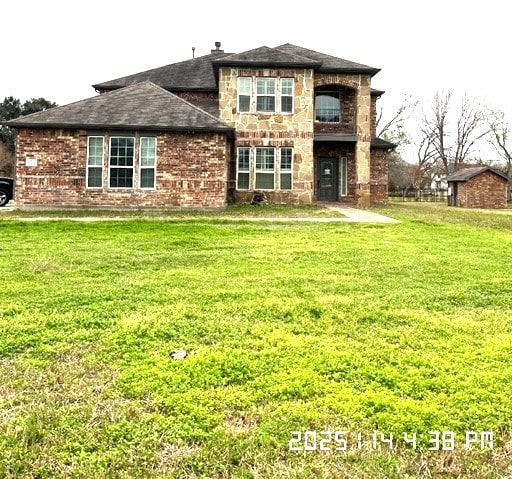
[
  {"x": 350, "y": 215},
  {"x": 354, "y": 215}
]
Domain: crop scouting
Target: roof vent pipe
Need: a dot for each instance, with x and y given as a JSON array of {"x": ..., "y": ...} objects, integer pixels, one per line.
[{"x": 217, "y": 48}]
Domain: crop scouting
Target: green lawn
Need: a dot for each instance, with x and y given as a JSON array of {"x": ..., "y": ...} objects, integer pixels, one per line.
[{"x": 401, "y": 329}]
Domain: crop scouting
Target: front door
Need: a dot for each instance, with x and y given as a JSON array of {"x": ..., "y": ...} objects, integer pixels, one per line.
[{"x": 327, "y": 179}]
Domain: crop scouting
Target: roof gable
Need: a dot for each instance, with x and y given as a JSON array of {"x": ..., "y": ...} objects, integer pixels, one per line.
[
  {"x": 467, "y": 173},
  {"x": 267, "y": 57},
  {"x": 143, "y": 106}
]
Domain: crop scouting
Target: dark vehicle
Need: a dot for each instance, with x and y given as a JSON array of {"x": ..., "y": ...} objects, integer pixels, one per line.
[{"x": 6, "y": 190}]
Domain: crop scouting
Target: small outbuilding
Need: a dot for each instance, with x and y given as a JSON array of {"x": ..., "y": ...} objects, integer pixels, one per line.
[{"x": 478, "y": 187}]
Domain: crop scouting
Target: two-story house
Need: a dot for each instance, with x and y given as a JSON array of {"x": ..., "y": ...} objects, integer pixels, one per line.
[{"x": 293, "y": 123}]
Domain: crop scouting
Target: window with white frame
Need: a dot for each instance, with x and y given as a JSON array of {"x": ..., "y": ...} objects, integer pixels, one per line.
[
  {"x": 121, "y": 155},
  {"x": 94, "y": 162},
  {"x": 287, "y": 95},
  {"x": 244, "y": 94},
  {"x": 264, "y": 171},
  {"x": 147, "y": 171},
  {"x": 266, "y": 95},
  {"x": 286, "y": 168},
  {"x": 327, "y": 106},
  {"x": 266, "y": 168},
  {"x": 243, "y": 169},
  {"x": 344, "y": 176}
]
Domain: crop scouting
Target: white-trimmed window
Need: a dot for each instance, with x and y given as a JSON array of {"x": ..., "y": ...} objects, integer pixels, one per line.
[
  {"x": 147, "y": 162},
  {"x": 94, "y": 162},
  {"x": 265, "y": 165},
  {"x": 286, "y": 168},
  {"x": 243, "y": 173},
  {"x": 265, "y": 168},
  {"x": 344, "y": 176},
  {"x": 121, "y": 156},
  {"x": 287, "y": 87},
  {"x": 328, "y": 106},
  {"x": 244, "y": 94},
  {"x": 266, "y": 95}
]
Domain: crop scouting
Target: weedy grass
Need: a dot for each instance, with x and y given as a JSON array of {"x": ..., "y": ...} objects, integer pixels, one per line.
[
  {"x": 398, "y": 329},
  {"x": 231, "y": 211}
]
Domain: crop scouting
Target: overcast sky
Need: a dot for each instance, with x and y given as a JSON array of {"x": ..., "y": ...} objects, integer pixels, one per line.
[{"x": 57, "y": 50}]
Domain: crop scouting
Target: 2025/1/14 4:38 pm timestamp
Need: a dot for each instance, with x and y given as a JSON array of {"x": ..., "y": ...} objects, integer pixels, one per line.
[{"x": 342, "y": 441}]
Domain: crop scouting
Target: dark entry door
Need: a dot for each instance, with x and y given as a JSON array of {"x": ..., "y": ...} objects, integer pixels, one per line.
[{"x": 328, "y": 179}]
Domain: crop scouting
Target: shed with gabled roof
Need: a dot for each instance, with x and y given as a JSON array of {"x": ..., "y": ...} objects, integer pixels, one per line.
[{"x": 478, "y": 187}]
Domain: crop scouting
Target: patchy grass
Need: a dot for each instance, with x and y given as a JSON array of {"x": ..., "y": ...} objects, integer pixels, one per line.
[
  {"x": 399, "y": 329},
  {"x": 231, "y": 211}
]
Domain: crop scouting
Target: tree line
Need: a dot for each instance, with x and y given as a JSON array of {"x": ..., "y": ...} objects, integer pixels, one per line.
[
  {"x": 443, "y": 137},
  {"x": 10, "y": 109}
]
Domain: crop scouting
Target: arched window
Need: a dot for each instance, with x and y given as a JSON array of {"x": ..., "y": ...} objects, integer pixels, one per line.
[{"x": 327, "y": 106}]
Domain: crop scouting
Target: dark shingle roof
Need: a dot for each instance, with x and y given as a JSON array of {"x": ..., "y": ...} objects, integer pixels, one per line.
[
  {"x": 194, "y": 74},
  {"x": 375, "y": 92},
  {"x": 467, "y": 173},
  {"x": 144, "y": 106},
  {"x": 268, "y": 57},
  {"x": 382, "y": 144},
  {"x": 199, "y": 74},
  {"x": 329, "y": 63}
]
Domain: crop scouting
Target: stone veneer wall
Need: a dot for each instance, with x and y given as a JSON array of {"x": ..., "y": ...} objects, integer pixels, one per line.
[
  {"x": 487, "y": 190},
  {"x": 379, "y": 176},
  {"x": 297, "y": 130},
  {"x": 274, "y": 130},
  {"x": 191, "y": 171}
]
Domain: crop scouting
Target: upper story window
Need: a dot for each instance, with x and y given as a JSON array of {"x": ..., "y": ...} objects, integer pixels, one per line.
[
  {"x": 266, "y": 95},
  {"x": 327, "y": 106},
  {"x": 287, "y": 95},
  {"x": 244, "y": 94}
]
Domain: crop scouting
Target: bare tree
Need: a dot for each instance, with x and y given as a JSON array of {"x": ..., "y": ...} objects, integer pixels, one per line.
[
  {"x": 499, "y": 138},
  {"x": 453, "y": 147},
  {"x": 471, "y": 127},
  {"x": 434, "y": 129},
  {"x": 426, "y": 155},
  {"x": 393, "y": 128}
]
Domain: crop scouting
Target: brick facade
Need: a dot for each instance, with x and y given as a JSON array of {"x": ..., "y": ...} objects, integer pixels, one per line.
[
  {"x": 373, "y": 126},
  {"x": 379, "y": 176},
  {"x": 276, "y": 134},
  {"x": 348, "y": 112},
  {"x": 326, "y": 150},
  {"x": 191, "y": 171},
  {"x": 486, "y": 190}
]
